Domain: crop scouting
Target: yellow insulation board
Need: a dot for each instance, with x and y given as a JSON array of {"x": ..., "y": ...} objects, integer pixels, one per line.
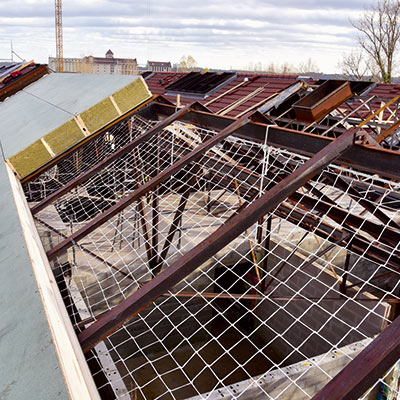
[
  {"x": 132, "y": 93},
  {"x": 30, "y": 158},
  {"x": 63, "y": 137}
]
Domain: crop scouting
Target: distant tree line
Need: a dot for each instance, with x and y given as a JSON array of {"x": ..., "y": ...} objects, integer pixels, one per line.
[{"x": 285, "y": 68}]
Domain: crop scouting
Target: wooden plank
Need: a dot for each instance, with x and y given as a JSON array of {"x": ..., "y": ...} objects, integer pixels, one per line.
[
  {"x": 78, "y": 378},
  {"x": 365, "y": 370}
]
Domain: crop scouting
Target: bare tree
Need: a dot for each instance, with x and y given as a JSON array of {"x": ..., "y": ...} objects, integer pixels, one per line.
[
  {"x": 379, "y": 33},
  {"x": 307, "y": 66},
  {"x": 355, "y": 65},
  {"x": 187, "y": 64}
]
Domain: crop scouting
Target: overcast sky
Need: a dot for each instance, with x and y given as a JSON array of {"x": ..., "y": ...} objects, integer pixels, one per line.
[{"x": 217, "y": 33}]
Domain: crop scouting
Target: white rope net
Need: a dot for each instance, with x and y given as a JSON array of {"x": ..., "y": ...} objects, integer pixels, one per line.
[{"x": 275, "y": 314}]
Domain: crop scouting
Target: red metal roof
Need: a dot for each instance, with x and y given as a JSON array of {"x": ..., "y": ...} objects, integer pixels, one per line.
[
  {"x": 256, "y": 88},
  {"x": 244, "y": 85},
  {"x": 158, "y": 81},
  {"x": 16, "y": 81},
  {"x": 383, "y": 93}
]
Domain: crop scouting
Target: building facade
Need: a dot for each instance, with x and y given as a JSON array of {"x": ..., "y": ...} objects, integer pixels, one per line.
[
  {"x": 158, "y": 66},
  {"x": 98, "y": 65}
]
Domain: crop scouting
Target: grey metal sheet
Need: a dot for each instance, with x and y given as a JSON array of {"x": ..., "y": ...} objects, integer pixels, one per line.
[
  {"x": 29, "y": 367},
  {"x": 6, "y": 68},
  {"x": 49, "y": 102}
]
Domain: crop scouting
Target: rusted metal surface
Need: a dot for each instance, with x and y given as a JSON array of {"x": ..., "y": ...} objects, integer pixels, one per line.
[
  {"x": 382, "y": 233},
  {"x": 360, "y": 245},
  {"x": 194, "y": 258},
  {"x": 353, "y": 193},
  {"x": 145, "y": 188},
  {"x": 365, "y": 370},
  {"x": 364, "y": 157},
  {"x": 84, "y": 249},
  {"x": 172, "y": 229},
  {"x": 321, "y": 101},
  {"x": 22, "y": 81}
]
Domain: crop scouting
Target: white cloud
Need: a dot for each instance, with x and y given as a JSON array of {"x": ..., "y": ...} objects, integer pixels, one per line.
[{"x": 217, "y": 33}]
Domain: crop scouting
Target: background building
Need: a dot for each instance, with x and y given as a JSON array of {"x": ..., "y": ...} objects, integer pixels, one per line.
[
  {"x": 98, "y": 65},
  {"x": 158, "y": 66}
]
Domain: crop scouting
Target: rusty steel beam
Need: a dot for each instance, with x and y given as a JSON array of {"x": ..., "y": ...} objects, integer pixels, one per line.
[
  {"x": 145, "y": 229},
  {"x": 364, "y": 371},
  {"x": 325, "y": 205},
  {"x": 340, "y": 183},
  {"x": 194, "y": 258},
  {"x": 23, "y": 81},
  {"x": 365, "y": 157},
  {"x": 172, "y": 229},
  {"x": 154, "y": 230},
  {"x": 114, "y": 156},
  {"x": 145, "y": 188},
  {"x": 360, "y": 245},
  {"x": 382, "y": 233}
]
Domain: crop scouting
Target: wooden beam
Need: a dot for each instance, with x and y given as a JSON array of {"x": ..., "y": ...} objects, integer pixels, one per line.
[{"x": 366, "y": 369}]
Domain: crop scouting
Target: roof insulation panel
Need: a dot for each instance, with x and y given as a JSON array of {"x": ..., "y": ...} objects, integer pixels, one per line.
[{"x": 59, "y": 110}]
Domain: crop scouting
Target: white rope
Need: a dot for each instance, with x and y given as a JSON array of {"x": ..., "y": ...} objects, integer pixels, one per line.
[{"x": 218, "y": 330}]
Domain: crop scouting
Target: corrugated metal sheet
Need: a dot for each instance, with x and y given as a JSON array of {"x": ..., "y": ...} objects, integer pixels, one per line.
[{"x": 270, "y": 84}]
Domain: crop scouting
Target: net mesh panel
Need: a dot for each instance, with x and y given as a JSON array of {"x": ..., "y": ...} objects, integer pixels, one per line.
[
  {"x": 88, "y": 155},
  {"x": 267, "y": 316}
]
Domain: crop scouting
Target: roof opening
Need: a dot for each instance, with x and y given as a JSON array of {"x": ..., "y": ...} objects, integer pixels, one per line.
[{"x": 197, "y": 83}]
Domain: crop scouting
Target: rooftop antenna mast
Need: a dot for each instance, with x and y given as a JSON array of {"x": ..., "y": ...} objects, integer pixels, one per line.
[{"x": 59, "y": 36}]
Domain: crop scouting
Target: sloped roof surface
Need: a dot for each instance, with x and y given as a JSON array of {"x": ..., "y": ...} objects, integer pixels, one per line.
[
  {"x": 29, "y": 367},
  {"x": 249, "y": 83},
  {"x": 49, "y": 103},
  {"x": 158, "y": 81},
  {"x": 270, "y": 84}
]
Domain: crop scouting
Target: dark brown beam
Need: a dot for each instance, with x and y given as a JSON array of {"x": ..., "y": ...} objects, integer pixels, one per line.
[
  {"x": 360, "y": 245},
  {"x": 114, "y": 156},
  {"x": 145, "y": 229},
  {"x": 145, "y": 188},
  {"x": 194, "y": 258},
  {"x": 23, "y": 81},
  {"x": 365, "y": 157},
  {"x": 380, "y": 232},
  {"x": 154, "y": 230},
  {"x": 364, "y": 371},
  {"x": 172, "y": 229},
  {"x": 323, "y": 205},
  {"x": 340, "y": 183}
]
